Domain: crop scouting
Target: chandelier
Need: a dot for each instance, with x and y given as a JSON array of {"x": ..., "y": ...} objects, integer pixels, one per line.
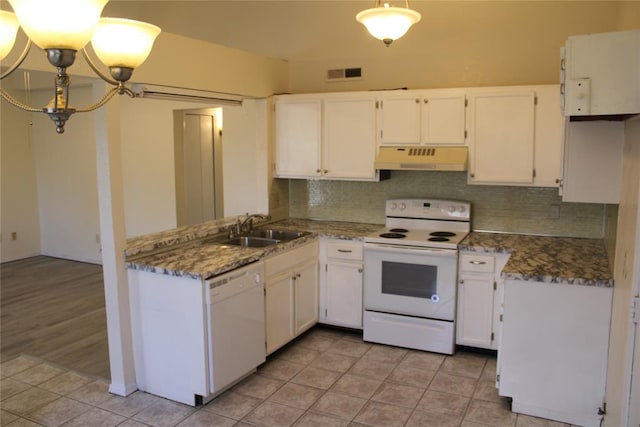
[
  {"x": 120, "y": 44},
  {"x": 388, "y": 23}
]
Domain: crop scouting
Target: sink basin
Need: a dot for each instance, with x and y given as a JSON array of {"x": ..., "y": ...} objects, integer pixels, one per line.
[
  {"x": 250, "y": 242},
  {"x": 283, "y": 235}
]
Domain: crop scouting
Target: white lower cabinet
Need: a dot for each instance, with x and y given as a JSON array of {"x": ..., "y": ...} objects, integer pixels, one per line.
[
  {"x": 479, "y": 299},
  {"x": 553, "y": 355},
  {"x": 291, "y": 294},
  {"x": 341, "y": 277}
]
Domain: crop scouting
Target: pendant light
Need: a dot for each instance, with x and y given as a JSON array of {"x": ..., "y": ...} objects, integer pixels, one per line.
[{"x": 388, "y": 23}]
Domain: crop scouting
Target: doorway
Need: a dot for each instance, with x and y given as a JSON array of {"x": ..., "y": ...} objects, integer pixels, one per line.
[{"x": 198, "y": 165}]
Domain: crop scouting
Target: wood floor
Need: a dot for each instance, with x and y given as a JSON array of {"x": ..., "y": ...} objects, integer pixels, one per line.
[{"x": 53, "y": 309}]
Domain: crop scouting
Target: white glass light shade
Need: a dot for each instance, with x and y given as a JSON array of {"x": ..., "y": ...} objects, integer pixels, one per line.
[
  {"x": 123, "y": 42},
  {"x": 388, "y": 23},
  {"x": 58, "y": 25},
  {"x": 8, "y": 30}
]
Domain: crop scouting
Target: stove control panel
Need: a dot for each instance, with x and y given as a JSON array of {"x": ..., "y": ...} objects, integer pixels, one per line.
[{"x": 428, "y": 209}]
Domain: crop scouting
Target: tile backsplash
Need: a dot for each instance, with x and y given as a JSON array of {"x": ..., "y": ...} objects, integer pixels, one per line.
[{"x": 523, "y": 210}]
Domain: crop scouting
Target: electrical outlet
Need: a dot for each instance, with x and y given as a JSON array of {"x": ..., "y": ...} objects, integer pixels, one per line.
[
  {"x": 14, "y": 235},
  {"x": 554, "y": 211}
]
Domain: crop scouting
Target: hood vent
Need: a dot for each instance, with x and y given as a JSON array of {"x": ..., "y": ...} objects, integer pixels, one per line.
[{"x": 422, "y": 158}]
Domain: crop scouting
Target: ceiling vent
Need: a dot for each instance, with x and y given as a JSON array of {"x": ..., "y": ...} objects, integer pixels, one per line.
[{"x": 342, "y": 74}]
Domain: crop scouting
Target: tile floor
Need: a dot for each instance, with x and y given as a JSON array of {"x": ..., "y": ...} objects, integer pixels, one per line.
[{"x": 326, "y": 377}]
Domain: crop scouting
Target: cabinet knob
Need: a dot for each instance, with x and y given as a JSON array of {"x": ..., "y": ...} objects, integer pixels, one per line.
[
  {"x": 326, "y": 171},
  {"x": 417, "y": 101},
  {"x": 426, "y": 101},
  {"x": 360, "y": 270},
  {"x": 472, "y": 175},
  {"x": 461, "y": 282},
  {"x": 318, "y": 170}
]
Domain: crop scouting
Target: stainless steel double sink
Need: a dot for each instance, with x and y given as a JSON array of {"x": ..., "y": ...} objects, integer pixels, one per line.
[{"x": 261, "y": 238}]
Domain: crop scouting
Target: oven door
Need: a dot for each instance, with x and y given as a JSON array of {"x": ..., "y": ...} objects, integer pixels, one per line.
[{"x": 410, "y": 280}]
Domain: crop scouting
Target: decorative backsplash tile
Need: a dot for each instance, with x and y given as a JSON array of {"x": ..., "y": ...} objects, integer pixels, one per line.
[{"x": 523, "y": 210}]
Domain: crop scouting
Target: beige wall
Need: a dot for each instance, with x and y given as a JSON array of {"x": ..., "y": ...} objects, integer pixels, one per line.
[{"x": 471, "y": 43}]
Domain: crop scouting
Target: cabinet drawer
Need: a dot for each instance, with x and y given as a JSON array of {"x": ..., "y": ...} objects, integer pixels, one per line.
[
  {"x": 344, "y": 250},
  {"x": 291, "y": 258},
  {"x": 477, "y": 263}
]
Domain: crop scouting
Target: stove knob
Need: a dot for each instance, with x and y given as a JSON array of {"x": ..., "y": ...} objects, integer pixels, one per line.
[
  {"x": 452, "y": 209},
  {"x": 392, "y": 206},
  {"x": 402, "y": 206},
  {"x": 461, "y": 209}
]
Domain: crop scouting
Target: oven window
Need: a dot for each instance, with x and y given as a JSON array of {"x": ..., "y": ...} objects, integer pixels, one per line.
[{"x": 410, "y": 280}]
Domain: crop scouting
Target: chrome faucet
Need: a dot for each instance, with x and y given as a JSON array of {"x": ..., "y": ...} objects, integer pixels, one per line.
[{"x": 247, "y": 224}]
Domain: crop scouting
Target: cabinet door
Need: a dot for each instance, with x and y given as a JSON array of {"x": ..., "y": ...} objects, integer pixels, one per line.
[
  {"x": 443, "y": 118},
  {"x": 549, "y": 137},
  {"x": 475, "y": 310},
  {"x": 344, "y": 294},
  {"x": 306, "y": 296},
  {"x": 349, "y": 141},
  {"x": 501, "y": 135},
  {"x": 298, "y": 137},
  {"x": 279, "y": 310},
  {"x": 399, "y": 119},
  {"x": 593, "y": 162}
]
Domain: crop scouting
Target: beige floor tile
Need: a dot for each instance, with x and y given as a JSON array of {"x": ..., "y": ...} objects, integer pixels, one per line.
[
  {"x": 471, "y": 424},
  {"x": 486, "y": 390},
  {"x": 464, "y": 364},
  {"x": 66, "y": 383},
  {"x": 453, "y": 384},
  {"x": 383, "y": 415},
  {"x": 411, "y": 376},
  {"x": 132, "y": 423},
  {"x": 94, "y": 393},
  {"x": 349, "y": 347},
  {"x": 23, "y": 422},
  {"x": 319, "y": 342},
  {"x": 258, "y": 386},
  {"x": 385, "y": 353},
  {"x": 296, "y": 395},
  {"x": 313, "y": 419},
  {"x": 431, "y": 419},
  {"x": 130, "y": 405},
  {"x": 207, "y": 419},
  {"x": 528, "y": 421},
  {"x": 233, "y": 405},
  {"x": 341, "y": 405},
  {"x": 28, "y": 401},
  {"x": 280, "y": 369},
  {"x": 489, "y": 371},
  {"x": 316, "y": 377},
  {"x": 372, "y": 369},
  {"x": 356, "y": 386},
  {"x": 423, "y": 360},
  {"x": 334, "y": 362},
  {"x": 7, "y": 417},
  {"x": 10, "y": 387},
  {"x": 164, "y": 413},
  {"x": 38, "y": 374},
  {"x": 298, "y": 354},
  {"x": 398, "y": 394},
  {"x": 14, "y": 366},
  {"x": 443, "y": 403},
  {"x": 96, "y": 417},
  {"x": 59, "y": 411},
  {"x": 270, "y": 414},
  {"x": 491, "y": 413}
]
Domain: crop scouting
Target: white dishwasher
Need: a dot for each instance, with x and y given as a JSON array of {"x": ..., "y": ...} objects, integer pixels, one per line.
[{"x": 236, "y": 324}]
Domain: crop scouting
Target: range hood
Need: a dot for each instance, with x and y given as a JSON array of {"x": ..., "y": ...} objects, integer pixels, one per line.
[{"x": 422, "y": 158}]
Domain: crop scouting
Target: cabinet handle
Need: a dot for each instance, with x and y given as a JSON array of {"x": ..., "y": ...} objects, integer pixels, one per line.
[
  {"x": 561, "y": 88},
  {"x": 318, "y": 170},
  {"x": 477, "y": 262},
  {"x": 326, "y": 171},
  {"x": 298, "y": 276},
  {"x": 426, "y": 101},
  {"x": 360, "y": 270},
  {"x": 417, "y": 100},
  {"x": 461, "y": 281},
  {"x": 472, "y": 175},
  {"x": 345, "y": 251}
]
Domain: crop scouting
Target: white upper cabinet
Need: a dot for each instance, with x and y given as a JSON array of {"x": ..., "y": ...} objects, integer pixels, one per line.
[
  {"x": 326, "y": 136},
  {"x": 349, "y": 147},
  {"x": 549, "y": 137},
  {"x": 593, "y": 162},
  {"x": 298, "y": 127},
  {"x": 501, "y": 124},
  {"x": 430, "y": 117}
]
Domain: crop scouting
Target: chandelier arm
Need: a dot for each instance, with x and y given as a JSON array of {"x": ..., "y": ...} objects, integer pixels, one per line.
[
  {"x": 96, "y": 70},
  {"x": 107, "y": 96},
  {"x": 17, "y": 103},
  {"x": 20, "y": 60}
]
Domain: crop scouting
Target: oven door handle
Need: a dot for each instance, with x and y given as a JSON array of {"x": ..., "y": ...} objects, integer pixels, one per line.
[{"x": 410, "y": 250}]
